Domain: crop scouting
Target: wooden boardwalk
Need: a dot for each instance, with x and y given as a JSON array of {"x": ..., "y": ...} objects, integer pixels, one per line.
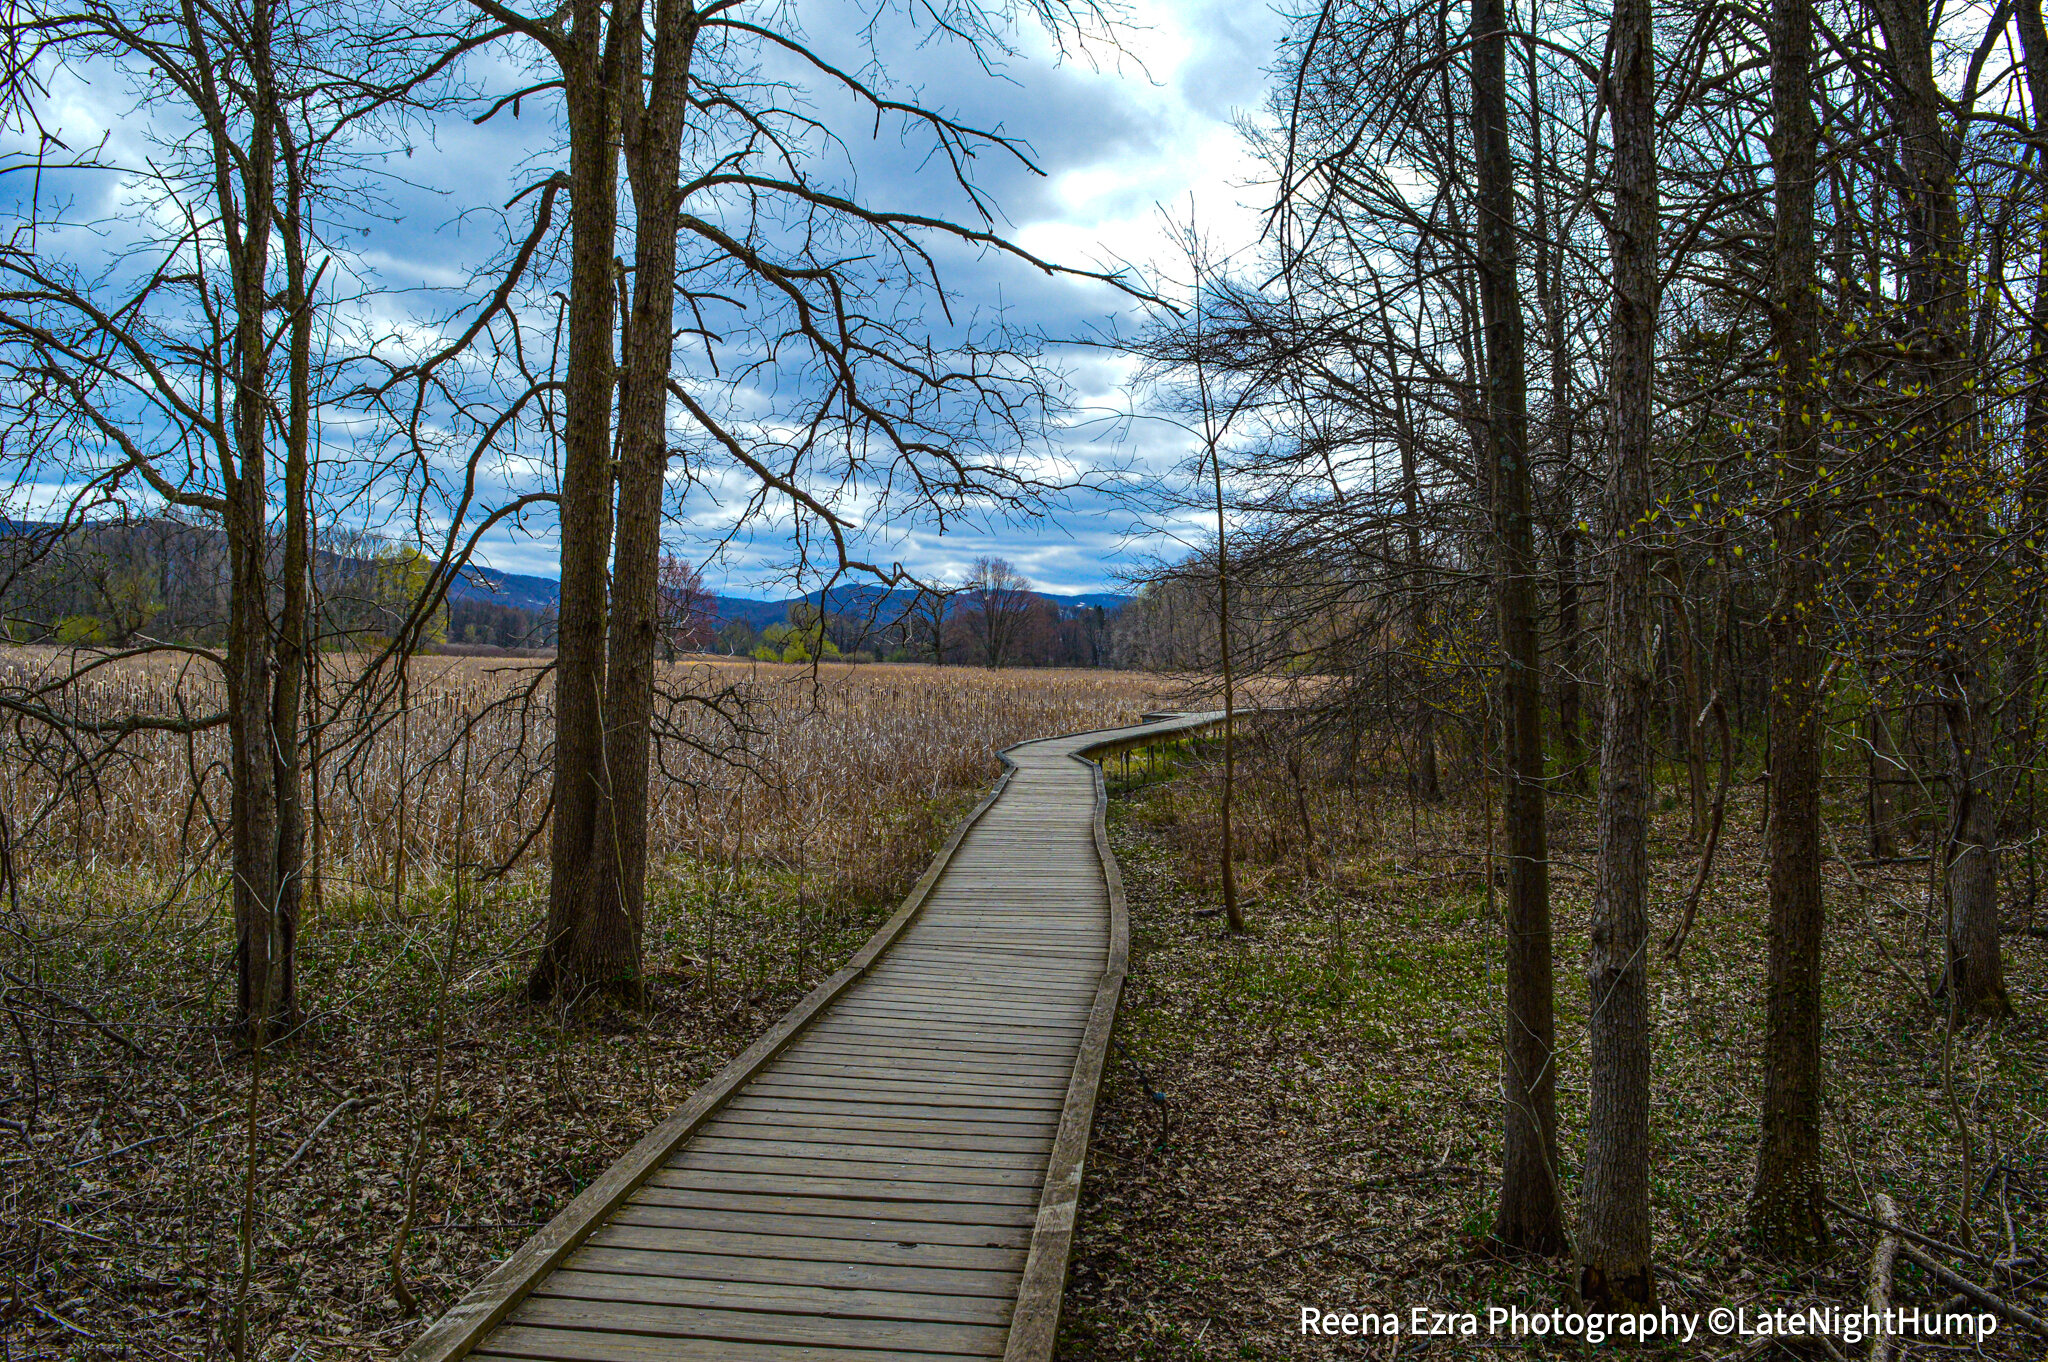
[{"x": 889, "y": 1174}]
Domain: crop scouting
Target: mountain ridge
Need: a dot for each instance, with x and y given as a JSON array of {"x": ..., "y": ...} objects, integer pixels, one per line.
[{"x": 544, "y": 593}]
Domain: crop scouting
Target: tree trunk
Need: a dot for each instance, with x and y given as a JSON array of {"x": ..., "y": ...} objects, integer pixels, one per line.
[
  {"x": 1529, "y": 1215},
  {"x": 1975, "y": 967},
  {"x": 1549, "y": 275},
  {"x": 1788, "y": 1199},
  {"x": 1571, "y": 748},
  {"x": 2024, "y": 665},
  {"x": 1614, "y": 1243},
  {"x": 589, "y": 942},
  {"x": 1428, "y": 785},
  {"x": 288, "y": 695},
  {"x": 1686, "y": 726},
  {"x": 1939, "y": 290},
  {"x": 653, "y": 152},
  {"x": 1233, "y": 912},
  {"x": 263, "y": 934},
  {"x": 1879, "y": 811}
]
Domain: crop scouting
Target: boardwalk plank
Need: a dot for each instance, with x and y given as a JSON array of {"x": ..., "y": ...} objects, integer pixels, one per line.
[
  {"x": 753, "y": 1326},
  {"x": 846, "y": 1225},
  {"x": 825, "y": 1275},
  {"x": 559, "y": 1345},
  {"x": 648, "y": 1202},
  {"x": 830, "y": 1302},
  {"x": 906, "y": 1251}
]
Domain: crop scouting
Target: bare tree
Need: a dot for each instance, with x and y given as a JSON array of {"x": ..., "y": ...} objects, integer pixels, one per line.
[
  {"x": 185, "y": 379},
  {"x": 1614, "y": 1246},
  {"x": 998, "y": 598},
  {"x": 929, "y": 612},
  {"x": 1530, "y": 1217},
  {"x": 1787, "y": 1206},
  {"x": 686, "y": 614},
  {"x": 720, "y": 166}
]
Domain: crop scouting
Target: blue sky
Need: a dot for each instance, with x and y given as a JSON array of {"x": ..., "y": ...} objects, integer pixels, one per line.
[{"x": 1126, "y": 137}]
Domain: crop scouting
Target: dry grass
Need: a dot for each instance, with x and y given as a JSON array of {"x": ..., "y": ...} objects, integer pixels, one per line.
[
  {"x": 1328, "y": 1129},
  {"x": 780, "y": 841},
  {"x": 770, "y": 763}
]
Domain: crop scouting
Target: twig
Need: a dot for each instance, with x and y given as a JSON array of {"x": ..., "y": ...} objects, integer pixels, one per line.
[
  {"x": 55, "y": 1318},
  {"x": 80, "y": 1009},
  {"x": 1675, "y": 942}
]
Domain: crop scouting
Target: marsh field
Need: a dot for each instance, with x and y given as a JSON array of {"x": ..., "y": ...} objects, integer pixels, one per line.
[
  {"x": 1304, "y": 1115},
  {"x": 790, "y": 816}
]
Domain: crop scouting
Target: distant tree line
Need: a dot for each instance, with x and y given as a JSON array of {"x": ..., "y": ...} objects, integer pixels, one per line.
[
  {"x": 131, "y": 584},
  {"x": 990, "y": 619},
  {"x": 128, "y": 584}
]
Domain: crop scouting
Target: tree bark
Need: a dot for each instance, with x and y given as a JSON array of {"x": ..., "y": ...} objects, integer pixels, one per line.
[
  {"x": 1614, "y": 1241},
  {"x": 589, "y": 942},
  {"x": 1528, "y": 1215},
  {"x": 264, "y": 993},
  {"x": 1939, "y": 290},
  {"x": 1975, "y": 966},
  {"x": 652, "y": 141},
  {"x": 1786, "y": 1210},
  {"x": 292, "y": 649},
  {"x": 2024, "y": 669}
]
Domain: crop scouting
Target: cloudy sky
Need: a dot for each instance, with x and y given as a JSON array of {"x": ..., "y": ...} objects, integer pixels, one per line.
[
  {"x": 1129, "y": 141},
  {"x": 1127, "y": 138}
]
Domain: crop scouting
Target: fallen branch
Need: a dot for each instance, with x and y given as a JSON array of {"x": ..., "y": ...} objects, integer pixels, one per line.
[
  {"x": 1893, "y": 1227},
  {"x": 1997, "y": 1305},
  {"x": 79, "y": 1009},
  {"x": 1884, "y": 1344},
  {"x": 348, "y": 1104},
  {"x": 1887, "y": 1220}
]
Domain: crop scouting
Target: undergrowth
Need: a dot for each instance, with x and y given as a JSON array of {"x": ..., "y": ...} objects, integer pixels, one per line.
[{"x": 1307, "y": 1115}]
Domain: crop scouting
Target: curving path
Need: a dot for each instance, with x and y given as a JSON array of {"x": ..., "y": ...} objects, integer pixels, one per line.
[{"x": 891, "y": 1172}]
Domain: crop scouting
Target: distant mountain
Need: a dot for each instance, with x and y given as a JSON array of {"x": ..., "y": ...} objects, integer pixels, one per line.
[
  {"x": 883, "y": 606},
  {"x": 506, "y": 588}
]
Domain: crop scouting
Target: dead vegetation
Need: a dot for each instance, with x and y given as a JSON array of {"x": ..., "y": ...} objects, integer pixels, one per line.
[
  {"x": 126, "y": 1096},
  {"x": 1306, "y": 1116}
]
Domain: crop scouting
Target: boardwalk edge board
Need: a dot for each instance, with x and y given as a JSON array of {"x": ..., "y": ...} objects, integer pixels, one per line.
[
  {"x": 1034, "y": 1325},
  {"x": 466, "y": 1323}
]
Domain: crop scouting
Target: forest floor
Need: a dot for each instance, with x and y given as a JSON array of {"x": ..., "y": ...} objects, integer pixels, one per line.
[
  {"x": 140, "y": 1257},
  {"x": 1306, "y": 1116}
]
